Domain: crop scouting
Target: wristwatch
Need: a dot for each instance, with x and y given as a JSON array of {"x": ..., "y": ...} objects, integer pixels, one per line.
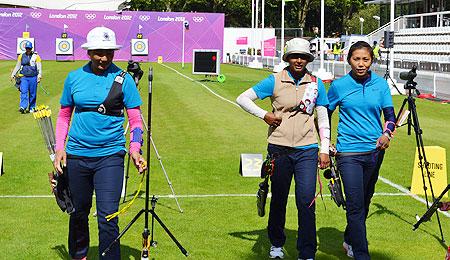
[{"x": 387, "y": 135}]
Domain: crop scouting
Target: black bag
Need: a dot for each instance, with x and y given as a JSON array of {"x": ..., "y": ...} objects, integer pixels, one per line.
[
  {"x": 18, "y": 81},
  {"x": 267, "y": 168},
  {"x": 335, "y": 184},
  {"x": 261, "y": 197},
  {"x": 61, "y": 191}
]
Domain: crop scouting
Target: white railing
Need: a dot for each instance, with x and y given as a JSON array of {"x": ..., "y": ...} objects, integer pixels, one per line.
[
  {"x": 435, "y": 82},
  {"x": 378, "y": 33},
  {"x": 244, "y": 60},
  {"x": 441, "y": 20}
]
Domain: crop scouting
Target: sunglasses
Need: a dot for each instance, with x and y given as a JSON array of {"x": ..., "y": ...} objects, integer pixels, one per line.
[{"x": 298, "y": 55}]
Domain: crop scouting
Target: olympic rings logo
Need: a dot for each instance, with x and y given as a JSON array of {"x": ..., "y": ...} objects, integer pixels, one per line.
[
  {"x": 35, "y": 15},
  {"x": 90, "y": 16},
  {"x": 64, "y": 46},
  {"x": 139, "y": 46},
  {"x": 198, "y": 19},
  {"x": 144, "y": 18}
]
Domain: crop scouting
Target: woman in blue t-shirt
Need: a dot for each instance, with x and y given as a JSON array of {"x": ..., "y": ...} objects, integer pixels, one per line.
[
  {"x": 95, "y": 97},
  {"x": 361, "y": 139}
]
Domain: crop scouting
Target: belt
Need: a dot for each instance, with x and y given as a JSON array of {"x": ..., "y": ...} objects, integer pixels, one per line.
[{"x": 354, "y": 153}]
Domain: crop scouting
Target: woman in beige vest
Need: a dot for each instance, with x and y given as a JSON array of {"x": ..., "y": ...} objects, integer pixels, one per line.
[{"x": 295, "y": 94}]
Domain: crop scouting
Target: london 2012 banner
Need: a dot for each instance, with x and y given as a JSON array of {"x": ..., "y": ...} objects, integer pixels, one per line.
[{"x": 164, "y": 31}]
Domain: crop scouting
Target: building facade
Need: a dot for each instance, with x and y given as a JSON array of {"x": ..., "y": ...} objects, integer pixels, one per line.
[{"x": 411, "y": 7}]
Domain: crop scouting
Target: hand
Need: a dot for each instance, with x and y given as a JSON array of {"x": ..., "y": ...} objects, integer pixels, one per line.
[
  {"x": 139, "y": 162},
  {"x": 52, "y": 181},
  {"x": 272, "y": 120},
  {"x": 444, "y": 206},
  {"x": 383, "y": 143},
  {"x": 333, "y": 150},
  {"x": 38, "y": 79},
  {"x": 60, "y": 157},
  {"x": 324, "y": 160},
  {"x": 13, "y": 79}
]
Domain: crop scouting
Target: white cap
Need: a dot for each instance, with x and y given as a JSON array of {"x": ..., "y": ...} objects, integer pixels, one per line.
[
  {"x": 101, "y": 38},
  {"x": 297, "y": 45}
]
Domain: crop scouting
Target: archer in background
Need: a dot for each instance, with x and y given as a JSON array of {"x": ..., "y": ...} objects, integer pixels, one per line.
[{"x": 30, "y": 74}]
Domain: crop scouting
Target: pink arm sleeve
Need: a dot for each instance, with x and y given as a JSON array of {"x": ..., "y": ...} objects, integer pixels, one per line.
[
  {"x": 62, "y": 126},
  {"x": 134, "y": 117}
]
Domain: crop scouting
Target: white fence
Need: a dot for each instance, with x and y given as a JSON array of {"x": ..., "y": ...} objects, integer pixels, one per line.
[{"x": 437, "y": 83}]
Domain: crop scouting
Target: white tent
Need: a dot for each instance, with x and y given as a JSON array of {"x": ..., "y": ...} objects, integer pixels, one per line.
[{"x": 94, "y": 5}]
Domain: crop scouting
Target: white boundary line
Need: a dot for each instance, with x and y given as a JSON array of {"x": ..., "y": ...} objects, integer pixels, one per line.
[
  {"x": 407, "y": 192},
  {"x": 201, "y": 84},
  {"x": 195, "y": 196},
  {"x": 388, "y": 182},
  {"x": 404, "y": 192}
]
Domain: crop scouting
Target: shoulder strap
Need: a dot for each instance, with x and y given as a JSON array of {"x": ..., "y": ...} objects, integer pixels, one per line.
[
  {"x": 27, "y": 59},
  {"x": 114, "y": 101},
  {"x": 113, "y": 104},
  {"x": 313, "y": 78}
]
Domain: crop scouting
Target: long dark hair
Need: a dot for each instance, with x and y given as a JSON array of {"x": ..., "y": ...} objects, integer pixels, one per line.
[{"x": 360, "y": 45}]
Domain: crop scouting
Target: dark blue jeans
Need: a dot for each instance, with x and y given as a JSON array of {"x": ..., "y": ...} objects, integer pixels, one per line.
[
  {"x": 105, "y": 176},
  {"x": 302, "y": 164},
  {"x": 359, "y": 175}
]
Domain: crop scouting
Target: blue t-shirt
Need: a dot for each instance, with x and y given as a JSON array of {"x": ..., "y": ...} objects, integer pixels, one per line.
[
  {"x": 91, "y": 133},
  {"x": 360, "y": 107},
  {"x": 266, "y": 87}
]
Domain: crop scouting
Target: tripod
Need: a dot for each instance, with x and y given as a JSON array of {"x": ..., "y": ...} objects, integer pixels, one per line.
[
  {"x": 413, "y": 121},
  {"x": 432, "y": 208},
  {"x": 158, "y": 157},
  {"x": 387, "y": 74},
  {"x": 145, "y": 242}
]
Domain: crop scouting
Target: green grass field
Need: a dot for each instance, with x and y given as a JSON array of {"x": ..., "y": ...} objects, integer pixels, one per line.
[{"x": 200, "y": 138}]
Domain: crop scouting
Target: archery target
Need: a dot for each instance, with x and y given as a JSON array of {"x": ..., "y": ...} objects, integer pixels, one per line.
[
  {"x": 21, "y": 44},
  {"x": 64, "y": 46},
  {"x": 139, "y": 46}
]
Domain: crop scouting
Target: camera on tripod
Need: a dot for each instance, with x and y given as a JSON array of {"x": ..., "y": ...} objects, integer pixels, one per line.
[
  {"x": 135, "y": 71},
  {"x": 409, "y": 77}
]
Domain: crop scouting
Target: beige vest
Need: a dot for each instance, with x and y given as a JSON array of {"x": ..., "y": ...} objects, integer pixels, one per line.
[{"x": 298, "y": 130}]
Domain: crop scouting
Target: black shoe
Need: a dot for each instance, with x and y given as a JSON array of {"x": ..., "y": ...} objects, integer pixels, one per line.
[
  {"x": 22, "y": 111},
  {"x": 27, "y": 111}
]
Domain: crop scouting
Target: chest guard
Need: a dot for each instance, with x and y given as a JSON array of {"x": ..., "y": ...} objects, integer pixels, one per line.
[
  {"x": 113, "y": 104},
  {"x": 27, "y": 69},
  {"x": 308, "y": 101}
]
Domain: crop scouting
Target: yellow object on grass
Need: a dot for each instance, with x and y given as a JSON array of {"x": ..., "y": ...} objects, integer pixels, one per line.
[{"x": 437, "y": 168}]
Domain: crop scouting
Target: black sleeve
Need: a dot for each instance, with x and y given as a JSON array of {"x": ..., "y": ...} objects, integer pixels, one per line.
[{"x": 389, "y": 115}]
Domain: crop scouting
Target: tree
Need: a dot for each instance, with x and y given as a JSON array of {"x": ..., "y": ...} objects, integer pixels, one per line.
[
  {"x": 370, "y": 24},
  {"x": 298, "y": 14},
  {"x": 237, "y": 12},
  {"x": 337, "y": 12},
  {"x": 152, "y": 5}
]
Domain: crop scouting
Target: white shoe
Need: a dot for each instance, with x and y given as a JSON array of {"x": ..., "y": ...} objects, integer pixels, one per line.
[
  {"x": 276, "y": 252},
  {"x": 348, "y": 249}
]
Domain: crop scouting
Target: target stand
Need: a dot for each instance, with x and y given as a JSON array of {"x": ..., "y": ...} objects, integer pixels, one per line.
[
  {"x": 139, "y": 48},
  {"x": 207, "y": 62},
  {"x": 20, "y": 48},
  {"x": 64, "y": 49}
]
